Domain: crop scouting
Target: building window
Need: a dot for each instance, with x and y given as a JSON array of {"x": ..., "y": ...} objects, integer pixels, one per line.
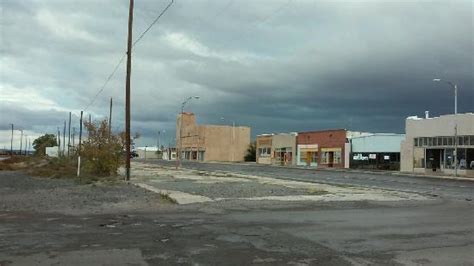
[
  {"x": 440, "y": 141},
  {"x": 416, "y": 142},
  {"x": 445, "y": 141},
  {"x": 450, "y": 141},
  {"x": 460, "y": 140},
  {"x": 461, "y": 156},
  {"x": 337, "y": 157},
  {"x": 303, "y": 157},
  {"x": 466, "y": 140},
  {"x": 264, "y": 152},
  {"x": 471, "y": 141},
  {"x": 449, "y": 158}
]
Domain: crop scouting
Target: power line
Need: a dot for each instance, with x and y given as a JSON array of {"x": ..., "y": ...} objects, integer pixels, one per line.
[
  {"x": 106, "y": 81},
  {"x": 153, "y": 23},
  {"x": 280, "y": 8},
  {"x": 123, "y": 56},
  {"x": 221, "y": 11}
]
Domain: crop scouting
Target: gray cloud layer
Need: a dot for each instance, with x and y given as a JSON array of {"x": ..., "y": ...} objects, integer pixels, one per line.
[{"x": 272, "y": 65}]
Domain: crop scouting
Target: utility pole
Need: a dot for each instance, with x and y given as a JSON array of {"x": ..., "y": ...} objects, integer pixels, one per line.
[
  {"x": 456, "y": 149},
  {"x": 26, "y": 144},
  {"x": 110, "y": 117},
  {"x": 59, "y": 142},
  {"x": 21, "y": 140},
  {"x": 69, "y": 135},
  {"x": 64, "y": 138},
  {"x": 11, "y": 144},
  {"x": 127, "y": 90},
  {"x": 79, "y": 147},
  {"x": 73, "y": 137},
  {"x": 158, "y": 140}
]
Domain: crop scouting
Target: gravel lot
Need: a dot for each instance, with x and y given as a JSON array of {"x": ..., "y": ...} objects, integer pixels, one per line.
[
  {"x": 225, "y": 189},
  {"x": 20, "y": 192},
  {"x": 188, "y": 186}
]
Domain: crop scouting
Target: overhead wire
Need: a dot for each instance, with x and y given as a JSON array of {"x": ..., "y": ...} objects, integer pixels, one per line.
[{"x": 123, "y": 56}]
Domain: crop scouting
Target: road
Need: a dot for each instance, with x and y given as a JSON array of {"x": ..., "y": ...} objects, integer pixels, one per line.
[
  {"x": 60, "y": 222},
  {"x": 447, "y": 189}
]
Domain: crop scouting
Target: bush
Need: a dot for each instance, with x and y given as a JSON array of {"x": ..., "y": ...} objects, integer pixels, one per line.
[
  {"x": 251, "y": 155},
  {"x": 102, "y": 154}
]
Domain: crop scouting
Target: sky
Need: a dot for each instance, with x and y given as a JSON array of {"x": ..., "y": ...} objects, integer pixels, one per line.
[{"x": 273, "y": 65}]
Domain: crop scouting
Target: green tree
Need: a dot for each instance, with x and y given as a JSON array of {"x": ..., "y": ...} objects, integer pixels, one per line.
[
  {"x": 40, "y": 144},
  {"x": 251, "y": 155}
]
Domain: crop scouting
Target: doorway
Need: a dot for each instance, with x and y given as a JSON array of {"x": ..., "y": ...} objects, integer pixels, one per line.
[
  {"x": 330, "y": 159},
  {"x": 434, "y": 159}
]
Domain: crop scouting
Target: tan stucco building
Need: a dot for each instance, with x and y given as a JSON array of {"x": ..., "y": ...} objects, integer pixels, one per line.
[
  {"x": 211, "y": 142},
  {"x": 430, "y": 145},
  {"x": 284, "y": 148}
]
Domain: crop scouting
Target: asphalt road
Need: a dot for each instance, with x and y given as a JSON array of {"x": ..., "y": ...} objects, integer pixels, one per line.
[
  {"x": 59, "y": 222},
  {"x": 444, "y": 188}
]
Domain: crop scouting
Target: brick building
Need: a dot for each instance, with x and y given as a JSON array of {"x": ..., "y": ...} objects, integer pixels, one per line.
[{"x": 321, "y": 148}]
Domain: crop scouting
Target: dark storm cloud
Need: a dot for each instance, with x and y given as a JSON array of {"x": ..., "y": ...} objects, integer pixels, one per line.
[{"x": 272, "y": 65}]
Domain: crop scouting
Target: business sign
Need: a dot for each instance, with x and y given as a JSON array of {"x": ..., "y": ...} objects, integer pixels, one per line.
[
  {"x": 372, "y": 156},
  {"x": 360, "y": 157},
  {"x": 386, "y": 157}
]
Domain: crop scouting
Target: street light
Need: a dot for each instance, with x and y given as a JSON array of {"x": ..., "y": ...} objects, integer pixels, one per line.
[
  {"x": 183, "y": 104},
  {"x": 455, "y": 87}
]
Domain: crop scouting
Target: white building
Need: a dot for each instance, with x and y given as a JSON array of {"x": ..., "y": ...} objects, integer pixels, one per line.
[
  {"x": 147, "y": 153},
  {"x": 431, "y": 143},
  {"x": 376, "y": 151},
  {"x": 169, "y": 154}
]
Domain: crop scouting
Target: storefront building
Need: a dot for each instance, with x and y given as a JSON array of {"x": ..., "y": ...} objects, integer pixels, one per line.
[
  {"x": 376, "y": 151},
  {"x": 284, "y": 149},
  {"x": 210, "y": 142},
  {"x": 439, "y": 145},
  {"x": 321, "y": 148},
  {"x": 264, "y": 148}
]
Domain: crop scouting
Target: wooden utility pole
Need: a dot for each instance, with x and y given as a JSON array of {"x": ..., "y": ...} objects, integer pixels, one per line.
[
  {"x": 11, "y": 144},
  {"x": 64, "y": 138},
  {"x": 79, "y": 147},
  {"x": 110, "y": 117},
  {"x": 69, "y": 135},
  {"x": 21, "y": 141},
  {"x": 127, "y": 91},
  {"x": 73, "y": 137},
  {"x": 26, "y": 144},
  {"x": 59, "y": 142}
]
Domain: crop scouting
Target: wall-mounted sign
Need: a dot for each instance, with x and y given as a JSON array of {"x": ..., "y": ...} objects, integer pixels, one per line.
[
  {"x": 359, "y": 157},
  {"x": 386, "y": 157},
  {"x": 372, "y": 156}
]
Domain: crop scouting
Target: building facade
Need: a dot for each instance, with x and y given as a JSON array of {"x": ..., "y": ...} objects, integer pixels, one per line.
[
  {"x": 264, "y": 148},
  {"x": 169, "y": 154},
  {"x": 376, "y": 151},
  {"x": 321, "y": 148},
  {"x": 210, "y": 142},
  {"x": 148, "y": 153},
  {"x": 431, "y": 143},
  {"x": 284, "y": 149}
]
